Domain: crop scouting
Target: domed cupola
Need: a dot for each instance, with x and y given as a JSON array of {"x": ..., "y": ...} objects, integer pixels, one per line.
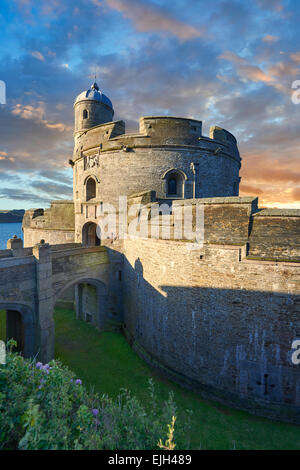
[{"x": 92, "y": 107}]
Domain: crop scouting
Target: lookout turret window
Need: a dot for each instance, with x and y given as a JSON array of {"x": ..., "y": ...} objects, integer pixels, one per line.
[{"x": 85, "y": 114}]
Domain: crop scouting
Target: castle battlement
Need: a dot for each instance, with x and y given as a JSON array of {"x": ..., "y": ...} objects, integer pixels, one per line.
[{"x": 155, "y": 132}]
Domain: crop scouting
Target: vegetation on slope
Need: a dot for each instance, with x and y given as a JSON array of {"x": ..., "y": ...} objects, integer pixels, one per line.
[
  {"x": 105, "y": 363},
  {"x": 44, "y": 406}
]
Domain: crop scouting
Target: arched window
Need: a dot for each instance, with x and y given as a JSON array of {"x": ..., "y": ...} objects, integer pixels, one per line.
[
  {"x": 90, "y": 189},
  {"x": 85, "y": 114},
  {"x": 174, "y": 183}
]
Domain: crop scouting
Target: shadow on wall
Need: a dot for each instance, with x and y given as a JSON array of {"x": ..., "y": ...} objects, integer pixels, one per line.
[{"x": 233, "y": 345}]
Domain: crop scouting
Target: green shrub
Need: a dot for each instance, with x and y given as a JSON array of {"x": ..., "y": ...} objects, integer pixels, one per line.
[{"x": 47, "y": 407}]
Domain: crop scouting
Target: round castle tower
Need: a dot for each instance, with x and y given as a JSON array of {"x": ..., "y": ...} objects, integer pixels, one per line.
[{"x": 169, "y": 155}]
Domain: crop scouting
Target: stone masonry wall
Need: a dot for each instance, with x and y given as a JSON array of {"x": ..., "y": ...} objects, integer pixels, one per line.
[
  {"x": 216, "y": 321},
  {"x": 275, "y": 233}
]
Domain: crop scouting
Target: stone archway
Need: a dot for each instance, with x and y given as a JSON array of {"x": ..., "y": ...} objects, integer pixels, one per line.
[
  {"x": 90, "y": 235},
  {"x": 20, "y": 326},
  {"x": 91, "y": 300}
]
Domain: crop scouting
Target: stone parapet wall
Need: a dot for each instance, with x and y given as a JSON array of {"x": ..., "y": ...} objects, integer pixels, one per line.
[
  {"x": 275, "y": 233},
  {"x": 266, "y": 234},
  {"x": 55, "y": 225},
  {"x": 156, "y": 131}
]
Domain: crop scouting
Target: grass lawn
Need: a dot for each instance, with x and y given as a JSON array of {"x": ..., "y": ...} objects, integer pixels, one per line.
[{"x": 107, "y": 363}]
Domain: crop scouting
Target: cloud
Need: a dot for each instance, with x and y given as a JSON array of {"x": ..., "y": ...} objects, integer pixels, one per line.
[
  {"x": 279, "y": 75},
  {"x": 17, "y": 194},
  {"x": 29, "y": 112},
  {"x": 56, "y": 190},
  {"x": 270, "y": 38},
  {"x": 167, "y": 63},
  {"x": 37, "y": 114},
  {"x": 38, "y": 55},
  {"x": 296, "y": 194},
  {"x": 245, "y": 69},
  {"x": 246, "y": 189},
  {"x": 295, "y": 56},
  {"x": 148, "y": 17}
]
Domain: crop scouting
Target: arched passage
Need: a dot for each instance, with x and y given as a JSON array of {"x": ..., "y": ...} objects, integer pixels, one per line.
[
  {"x": 20, "y": 326},
  {"x": 90, "y": 300},
  {"x": 90, "y": 235}
]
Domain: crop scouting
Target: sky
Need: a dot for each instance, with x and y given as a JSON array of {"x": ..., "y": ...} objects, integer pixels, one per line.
[{"x": 229, "y": 63}]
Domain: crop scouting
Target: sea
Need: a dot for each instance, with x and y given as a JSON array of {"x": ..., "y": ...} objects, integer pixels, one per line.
[{"x": 8, "y": 231}]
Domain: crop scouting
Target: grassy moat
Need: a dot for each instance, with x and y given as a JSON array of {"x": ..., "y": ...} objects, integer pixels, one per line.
[{"x": 106, "y": 362}]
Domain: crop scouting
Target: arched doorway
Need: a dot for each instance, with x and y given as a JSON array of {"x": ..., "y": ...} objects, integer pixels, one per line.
[
  {"x": 15, "y": 329},
  {"x": 90, "y": 300},
  {"x": 17, "y": 322},
  {"x": 90, "y": 234}
]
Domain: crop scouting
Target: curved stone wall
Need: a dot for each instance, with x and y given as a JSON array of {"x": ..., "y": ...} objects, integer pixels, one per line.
[
  {"x": 217, "y": 322},
  {"x": 123, "y": 164}
]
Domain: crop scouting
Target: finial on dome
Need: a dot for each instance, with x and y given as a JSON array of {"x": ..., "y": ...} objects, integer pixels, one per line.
[{"x": 95, "y": 86}]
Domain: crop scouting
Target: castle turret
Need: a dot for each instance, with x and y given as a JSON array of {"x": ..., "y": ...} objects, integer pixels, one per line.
[{"x": 92, "y": 108}]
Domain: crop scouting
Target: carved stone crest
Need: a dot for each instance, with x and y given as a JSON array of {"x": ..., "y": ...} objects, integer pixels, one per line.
[{"x": 91, "y": 161}]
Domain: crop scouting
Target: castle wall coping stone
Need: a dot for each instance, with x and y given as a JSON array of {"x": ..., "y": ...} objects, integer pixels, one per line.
[
  {"x": 170, "y": 117},
  {"x": 16, "y": 261},
  {"x": 63, "y": 201},
  {"x": 78, "y": 251},
  {"x": 216, "y": 246},
  {"x": 274, "y": 262},
  {"x": 64, "y": 246},
  {"x": 5, "y": 253},
  {"x": 48, "y": 229},
  {"x": 219, "y": 200},
  {"x": 270, "y": 212}
]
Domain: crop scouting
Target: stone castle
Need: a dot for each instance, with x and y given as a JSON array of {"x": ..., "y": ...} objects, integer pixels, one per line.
[{"x": 219, "y": 317}]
